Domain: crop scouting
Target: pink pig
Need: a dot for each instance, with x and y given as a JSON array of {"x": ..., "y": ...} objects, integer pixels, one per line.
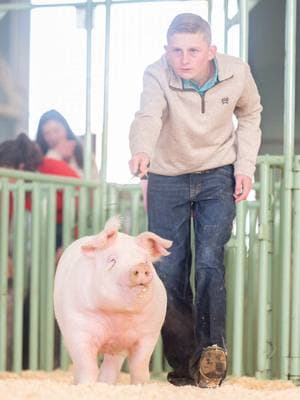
[{"x": 108, "y": 299}]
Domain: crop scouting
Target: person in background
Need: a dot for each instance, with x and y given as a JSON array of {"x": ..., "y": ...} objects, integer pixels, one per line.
[
  {"x": 198, "y": 166},
  {"x": 24, "y": 154},
  {"x": 57, "y": 141}
]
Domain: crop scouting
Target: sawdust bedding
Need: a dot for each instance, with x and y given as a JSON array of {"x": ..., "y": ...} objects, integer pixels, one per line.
[{"x": 57, "y": 385}]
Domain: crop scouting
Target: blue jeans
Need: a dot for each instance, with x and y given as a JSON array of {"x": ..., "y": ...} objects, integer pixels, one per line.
[{"x": 193, "y": 322}]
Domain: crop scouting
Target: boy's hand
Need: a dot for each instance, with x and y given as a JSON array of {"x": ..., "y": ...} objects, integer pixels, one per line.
[
  {"x": 139, "y": 164},
  {"x": 243, "y": 185}
]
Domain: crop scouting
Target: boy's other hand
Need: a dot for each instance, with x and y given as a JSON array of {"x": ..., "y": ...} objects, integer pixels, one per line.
[
  {"x": 243, "y": 185},
  {"x": 139, "y": 164}
]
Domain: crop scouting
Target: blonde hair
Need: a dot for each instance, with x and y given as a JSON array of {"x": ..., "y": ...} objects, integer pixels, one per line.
[{"x": 189, "y": 23}]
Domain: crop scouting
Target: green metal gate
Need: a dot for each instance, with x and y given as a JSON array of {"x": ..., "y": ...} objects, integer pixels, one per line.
[{"x": 263, "y": 307}]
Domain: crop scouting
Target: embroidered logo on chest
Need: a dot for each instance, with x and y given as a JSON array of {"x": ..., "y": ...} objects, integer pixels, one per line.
[{"x": 225, "y": 100}]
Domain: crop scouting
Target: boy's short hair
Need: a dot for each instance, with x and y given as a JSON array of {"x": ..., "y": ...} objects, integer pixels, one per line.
[{"x": 189, "y": 23}]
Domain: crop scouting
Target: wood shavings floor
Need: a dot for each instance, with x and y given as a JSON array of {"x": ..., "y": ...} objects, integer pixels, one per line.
[{"x": 57, "y": 385}]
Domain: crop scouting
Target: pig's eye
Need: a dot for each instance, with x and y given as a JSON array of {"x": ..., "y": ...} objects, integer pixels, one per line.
[{"x": 111, "y": 261}]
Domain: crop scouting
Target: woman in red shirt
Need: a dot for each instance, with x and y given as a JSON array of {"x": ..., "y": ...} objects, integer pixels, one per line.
[{"x": 24, "y": 154}]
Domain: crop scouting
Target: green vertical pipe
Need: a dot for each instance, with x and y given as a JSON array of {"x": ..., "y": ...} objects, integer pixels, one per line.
[
  {"x": 238, "y": 308},
  {"x": 226, "y": 26},
  {"x": 103, "y": 171},
  {"x": 230, "y": 257},
  {"x": 289, "y": 132},
  {"x": 276, "y": 257},
  {"x": 18, "y": 285},
  {"x": 88, "y": 91},
  {"x": 96, "y": 210},
  {"x": 34, "y": 279},
  {"x": 250, "y": 317},
  {"x": 295, "y": 315},
  {"x": 43, "y": 268},
  {"x": 157, "y": 358},
  {"x": 103, "y": 203},
  {"x": 244, "y": 29},
  {"x": 68, "y": 228},
  {"x": 113, "y": 201},
  {"x": 263, "y": 366},
  {"x": 49, "y": 320},
  {"x": 209, "y": 11},
  {"x": 4, "y": 224},
  {"x": 83, "y": 208},
  {"x": 134, "y": 217}
]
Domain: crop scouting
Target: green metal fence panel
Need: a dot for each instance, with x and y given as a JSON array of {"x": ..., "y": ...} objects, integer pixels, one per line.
[{"x": 253, "y": 259}]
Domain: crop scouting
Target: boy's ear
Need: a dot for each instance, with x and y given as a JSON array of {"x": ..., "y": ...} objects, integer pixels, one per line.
[{"x": 212, "y": 52}]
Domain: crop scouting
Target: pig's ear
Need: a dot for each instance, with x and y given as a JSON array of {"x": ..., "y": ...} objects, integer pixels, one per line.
[
  {"x": 101, "y": 241},
  {"x": 154, "y": 244}
]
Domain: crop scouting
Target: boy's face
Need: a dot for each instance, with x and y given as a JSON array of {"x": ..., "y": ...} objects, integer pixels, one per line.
[{"x": 189, "y": 55}]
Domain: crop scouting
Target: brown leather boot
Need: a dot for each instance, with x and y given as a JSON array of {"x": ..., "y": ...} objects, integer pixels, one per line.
[{"x": 212, "y": 367}]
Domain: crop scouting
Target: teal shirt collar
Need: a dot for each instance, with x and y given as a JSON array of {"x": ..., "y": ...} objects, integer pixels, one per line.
[{"x": 189, "y": 84}]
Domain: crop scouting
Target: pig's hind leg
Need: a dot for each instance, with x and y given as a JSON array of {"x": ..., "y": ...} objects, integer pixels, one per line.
[{"x": 110, "y": 368}]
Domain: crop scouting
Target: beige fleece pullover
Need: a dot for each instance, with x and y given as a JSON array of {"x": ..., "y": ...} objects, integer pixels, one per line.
[{"x": 183, "y": 132}]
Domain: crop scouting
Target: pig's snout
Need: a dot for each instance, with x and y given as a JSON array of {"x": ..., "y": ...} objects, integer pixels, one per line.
[{"x": 140, "y": 274}]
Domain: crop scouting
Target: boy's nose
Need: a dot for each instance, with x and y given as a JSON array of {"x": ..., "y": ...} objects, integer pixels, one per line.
[{"x": 185, "y": 58}]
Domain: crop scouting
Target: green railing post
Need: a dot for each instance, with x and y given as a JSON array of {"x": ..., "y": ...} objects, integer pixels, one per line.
[
  {"x": 295, "y": 306},
  {"x": 34, "y": 279},
  {"x": 230, "y": 258},
  {"x": 83, "y": 210},
  {"x": 49, "y": 274},
  {"x": 68, "y": 234},
  {"x": 18, "y": 281},
  {"x": 134, "y": 217},
  {"x": 88, "y": 91},
  {"x": 263, "y": 366},
  {"x": 289, "y": 132},
  {"x": 238, "y": 306},
  {"x": 4, "y": 226},
  {"x": 251, "y": 286}
]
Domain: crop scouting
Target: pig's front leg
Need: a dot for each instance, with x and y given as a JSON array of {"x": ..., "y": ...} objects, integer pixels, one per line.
[
  {"x": 139, "y": 359},
  {"x": 84, "y": 357},
  {"x": 110, "y": 368}
]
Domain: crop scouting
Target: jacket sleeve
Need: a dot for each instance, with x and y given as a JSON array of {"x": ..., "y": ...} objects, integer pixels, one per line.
[
  {"x": 248, "y": 133},
  {"x": 146, "y": 127}
]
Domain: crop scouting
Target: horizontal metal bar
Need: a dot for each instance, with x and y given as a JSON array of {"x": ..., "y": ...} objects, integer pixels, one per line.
[
  {"x": 271, "y": 160},
  {"x": 21, "y": 6},
  {"x": 27, "y": 6},
  {"x": 36, "y": 176}
]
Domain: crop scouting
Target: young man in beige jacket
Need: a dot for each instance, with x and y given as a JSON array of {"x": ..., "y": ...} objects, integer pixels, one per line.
[{"x": 198, "y": 165}]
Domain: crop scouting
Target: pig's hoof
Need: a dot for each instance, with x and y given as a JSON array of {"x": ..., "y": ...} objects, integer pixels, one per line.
[{"x": 212, "y": 367}]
